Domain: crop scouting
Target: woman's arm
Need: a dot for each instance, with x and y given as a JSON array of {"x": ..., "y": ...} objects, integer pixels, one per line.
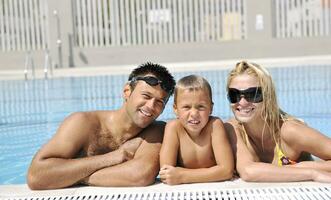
[
  {"x": 251, "y": 169},
  {"x": 303, "y": 138}
]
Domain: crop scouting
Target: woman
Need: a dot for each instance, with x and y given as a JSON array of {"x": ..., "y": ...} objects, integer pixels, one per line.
[{"x": 270, "y": 145}]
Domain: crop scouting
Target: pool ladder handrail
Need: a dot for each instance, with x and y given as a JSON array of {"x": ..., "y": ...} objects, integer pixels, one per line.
[
  {"x": 48, "y": 65},
  {"x": 29, "y": 64}
]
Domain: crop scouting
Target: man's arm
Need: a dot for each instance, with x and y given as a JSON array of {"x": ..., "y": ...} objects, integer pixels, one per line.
[
  {"x": 54, "y": 166},
  {"x": 141, "y": 170}
]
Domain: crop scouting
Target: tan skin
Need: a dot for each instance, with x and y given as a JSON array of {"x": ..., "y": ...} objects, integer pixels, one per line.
[
  {"x": 105, "y": 148},
  {"x": 195, "y": 146},
  {"x": 255, "y": 162}
]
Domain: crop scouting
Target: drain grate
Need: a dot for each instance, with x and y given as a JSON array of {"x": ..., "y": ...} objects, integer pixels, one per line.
[{"x": 279, "y": 193}]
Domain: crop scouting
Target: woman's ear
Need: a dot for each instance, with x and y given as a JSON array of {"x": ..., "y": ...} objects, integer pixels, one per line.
[{"x": 127, "y": 91}]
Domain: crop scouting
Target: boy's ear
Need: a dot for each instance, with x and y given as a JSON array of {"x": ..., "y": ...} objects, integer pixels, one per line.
[
  {"x": 212, "y": 107},
  {"x": 175, "y": 110},
  {"x": 127, "y": 91}
]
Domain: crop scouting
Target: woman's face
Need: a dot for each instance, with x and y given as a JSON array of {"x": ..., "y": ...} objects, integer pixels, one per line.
[{"x": 245, "y": 109}]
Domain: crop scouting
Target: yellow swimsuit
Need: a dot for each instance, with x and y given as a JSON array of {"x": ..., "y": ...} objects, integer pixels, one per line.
[{"x": 282, "y": 159}]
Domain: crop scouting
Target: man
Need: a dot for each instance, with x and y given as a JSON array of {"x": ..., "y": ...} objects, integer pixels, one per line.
[{"x": 109, "y": 148}]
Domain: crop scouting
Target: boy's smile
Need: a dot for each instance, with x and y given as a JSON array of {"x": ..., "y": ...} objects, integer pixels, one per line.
[{"x": 193, "y": 108}]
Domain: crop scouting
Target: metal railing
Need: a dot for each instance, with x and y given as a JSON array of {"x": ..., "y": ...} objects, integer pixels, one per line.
[
  {"x": 144, "y": 22},
  {"x": 302, "y": 18},
  {"x": 23, "y": 25}
]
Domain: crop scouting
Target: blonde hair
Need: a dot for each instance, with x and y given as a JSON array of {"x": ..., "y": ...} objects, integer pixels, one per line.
[
  {"x": 271, "y": 113},
  {"x": 192, "y": 83}
]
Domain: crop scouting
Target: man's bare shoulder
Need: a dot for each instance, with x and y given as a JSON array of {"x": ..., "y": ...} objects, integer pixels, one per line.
[
  {"x": 85, "y": 119},
  {"x": 154, "y": 132},
  {"x": 82, "y": 123}
]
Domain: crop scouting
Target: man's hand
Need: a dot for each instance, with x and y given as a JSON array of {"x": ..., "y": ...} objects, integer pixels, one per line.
[
  {"x": 170, "y": 175},
  {"x": 130, "y": 147},
  {"x": 126, "y": 152}
]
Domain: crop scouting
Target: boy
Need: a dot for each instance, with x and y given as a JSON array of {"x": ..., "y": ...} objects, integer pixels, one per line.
[{"x": 195, "y": 146}]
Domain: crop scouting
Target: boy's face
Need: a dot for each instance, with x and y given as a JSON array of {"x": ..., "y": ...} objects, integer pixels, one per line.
[
  {"x": 193, "y": 109},
  {"x": 144, "y": 103}
]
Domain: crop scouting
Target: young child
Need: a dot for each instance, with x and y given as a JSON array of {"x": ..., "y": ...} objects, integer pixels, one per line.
[{"x": 195, "y": 146}]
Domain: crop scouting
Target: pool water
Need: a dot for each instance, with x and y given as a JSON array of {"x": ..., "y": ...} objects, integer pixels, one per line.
[{"x": 30, "y": 111}]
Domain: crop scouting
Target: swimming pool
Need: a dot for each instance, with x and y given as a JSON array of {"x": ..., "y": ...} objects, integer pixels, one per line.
[{"x": 32, "y": 110}]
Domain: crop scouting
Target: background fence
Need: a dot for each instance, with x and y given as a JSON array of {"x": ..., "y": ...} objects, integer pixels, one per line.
[
  {"x": 143, "y": 22},
  {"x": 302, "y": 18},
  {"x": 23, "y": 25},
  {"x": 111, "y": 32}
]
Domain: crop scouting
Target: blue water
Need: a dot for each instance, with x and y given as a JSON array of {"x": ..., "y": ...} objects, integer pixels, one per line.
[{"x": 30, "y": 111}]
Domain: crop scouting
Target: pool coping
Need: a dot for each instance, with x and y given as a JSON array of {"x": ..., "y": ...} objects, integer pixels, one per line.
[
  {"x": 20, "y": 191},
  {"x": 173, "y": 67}
]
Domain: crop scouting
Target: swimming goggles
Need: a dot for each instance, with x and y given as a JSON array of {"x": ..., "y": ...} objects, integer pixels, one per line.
[
  {"x": 252, "y": 95},
  {"x": 152, "y": 81}
]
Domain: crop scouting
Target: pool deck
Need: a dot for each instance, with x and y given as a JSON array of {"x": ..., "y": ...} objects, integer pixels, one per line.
[
  {"x": 234, "y": 187},
  {"x": 8, "y": 74}
]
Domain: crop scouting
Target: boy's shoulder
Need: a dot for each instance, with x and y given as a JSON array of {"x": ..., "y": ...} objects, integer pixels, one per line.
[
  {"x": 215, "y": 120},
  {"x": 173, "y": 123}
]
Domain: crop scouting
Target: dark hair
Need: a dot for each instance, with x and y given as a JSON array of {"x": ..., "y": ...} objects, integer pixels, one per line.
[{"x": 159, "y": 71}]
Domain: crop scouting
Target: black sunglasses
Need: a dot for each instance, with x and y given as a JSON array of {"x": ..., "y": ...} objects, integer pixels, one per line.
[
  {"x": 152, "y": 81},
  {"x": 253, "y": 95}
]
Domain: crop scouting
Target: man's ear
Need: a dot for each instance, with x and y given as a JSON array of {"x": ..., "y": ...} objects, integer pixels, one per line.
[
  {"x": 127, "y": 91},
  {"x": 175, "y": 110}
]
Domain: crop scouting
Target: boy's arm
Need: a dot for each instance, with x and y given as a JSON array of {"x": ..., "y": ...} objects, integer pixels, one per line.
[
  {"x": 141, "y": 170},
  {"x": 170, "y": 145},
  {"x": 54, "y": 166},
  {"x": 222, "y": 151},
  {"x": 224, "y": 160}
]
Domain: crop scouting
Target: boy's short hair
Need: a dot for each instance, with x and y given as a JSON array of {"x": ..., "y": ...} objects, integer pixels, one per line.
[
  {"x": 160, "y": 72},
  {"x": 193, "y": 82}
]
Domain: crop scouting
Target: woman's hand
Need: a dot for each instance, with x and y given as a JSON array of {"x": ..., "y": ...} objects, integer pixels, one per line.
[{"x": 321, "y": 176}]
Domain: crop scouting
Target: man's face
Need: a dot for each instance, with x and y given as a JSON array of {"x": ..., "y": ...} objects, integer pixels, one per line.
[{"x": 145, "y": 103}]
